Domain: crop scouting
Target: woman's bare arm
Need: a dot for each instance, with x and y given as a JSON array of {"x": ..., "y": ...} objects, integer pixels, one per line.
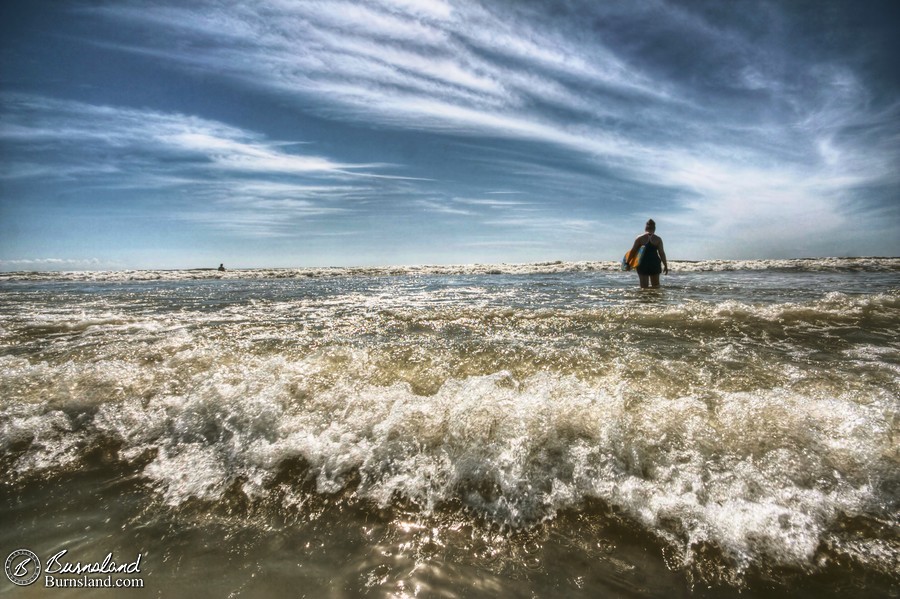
[{"x": 662, "y": 256}]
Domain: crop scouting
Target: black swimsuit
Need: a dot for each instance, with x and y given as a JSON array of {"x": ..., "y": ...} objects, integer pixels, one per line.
[{"x": 650, "y": 262}]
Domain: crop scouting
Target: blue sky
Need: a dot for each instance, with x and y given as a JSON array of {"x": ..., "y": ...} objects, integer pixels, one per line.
[{"x": 177, "y": 134}]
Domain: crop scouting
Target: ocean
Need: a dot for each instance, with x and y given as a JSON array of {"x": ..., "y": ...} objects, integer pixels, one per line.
[{"x": 536, "y": 430}]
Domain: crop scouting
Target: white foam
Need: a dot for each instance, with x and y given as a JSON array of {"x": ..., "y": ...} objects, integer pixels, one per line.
[
  {"x": 512, "y": 414},
  {"x": 867, "y": 264},
  {"x": 515, "y": 451},
  {"x": 762, "y": 475}
]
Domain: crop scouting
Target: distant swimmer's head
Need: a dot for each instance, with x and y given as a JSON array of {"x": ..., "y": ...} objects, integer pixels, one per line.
[{"x": 650, "y": 226}]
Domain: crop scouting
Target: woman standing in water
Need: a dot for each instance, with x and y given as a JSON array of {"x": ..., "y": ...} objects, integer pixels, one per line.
[{"x": 654, "y": 259}]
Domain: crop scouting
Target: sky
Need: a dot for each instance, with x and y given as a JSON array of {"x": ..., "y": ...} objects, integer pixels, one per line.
[{"x": 292, "y": 133}]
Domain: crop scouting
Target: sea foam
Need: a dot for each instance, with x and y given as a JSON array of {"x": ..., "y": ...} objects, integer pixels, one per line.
[{"x": 760, "y": 428}]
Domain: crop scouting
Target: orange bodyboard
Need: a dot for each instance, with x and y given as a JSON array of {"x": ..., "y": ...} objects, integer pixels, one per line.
[{"x": 632, "y": 259}]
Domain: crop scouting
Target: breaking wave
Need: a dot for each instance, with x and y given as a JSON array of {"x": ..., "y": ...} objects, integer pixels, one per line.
[
  {"x": 759, "y": 429},
  {"x": 838, "y": 265}
]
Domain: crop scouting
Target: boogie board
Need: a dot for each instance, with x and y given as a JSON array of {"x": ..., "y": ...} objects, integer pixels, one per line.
[{"x": 632, "y": 259}]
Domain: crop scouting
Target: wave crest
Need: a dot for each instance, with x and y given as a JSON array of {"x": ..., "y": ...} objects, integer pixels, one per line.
[
  {"x": 765, "y": 475},
  {"x": 838, "y": 265}
]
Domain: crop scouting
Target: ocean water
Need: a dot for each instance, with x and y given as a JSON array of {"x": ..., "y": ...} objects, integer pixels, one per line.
[{"x": 532, "y": 430}]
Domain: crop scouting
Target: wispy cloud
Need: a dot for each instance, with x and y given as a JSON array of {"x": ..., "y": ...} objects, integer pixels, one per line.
[
  {"x": 393, "y": 63},
  {"x": 490, "y": 203},
  {"x": 241, "y": 155},
  {"x": 443, "y": 208},
  {"x": 56, "y": 264},
  {"x": 508, "y": 243},
  {"x": 476, "y": 70},
  {"x": 733, "y": 123},
  {"x": 30, "y": 120},
  {"x": 227, "y": 168},
  {"x": 546, "y": 223}
]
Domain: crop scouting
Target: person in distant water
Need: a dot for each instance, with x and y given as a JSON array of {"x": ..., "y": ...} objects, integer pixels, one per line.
[
  {"x": 221, "y": 268},
  {"x": 654, "y": 259}
]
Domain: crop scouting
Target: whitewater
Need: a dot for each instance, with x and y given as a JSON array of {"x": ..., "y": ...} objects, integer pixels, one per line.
[{"x": 483, "y": 430}]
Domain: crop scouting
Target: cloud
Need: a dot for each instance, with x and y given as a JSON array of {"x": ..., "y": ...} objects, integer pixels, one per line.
[
  {"x": 729, "y": 122},
  {"x": 32, "y": 120},
  {"x": 396, "y": 63},
  {"x": 475, "y": 70},
  {"x": 56, "y": 264},
  {"x": 491, "y": 203},
  {"x": 230, "y": 169},
  {"x": 238, "y": 155},
  {"x": 507, "y": 243},
  {"x": 443, "y": 208},
  {"x": 546, "y": 223}
]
